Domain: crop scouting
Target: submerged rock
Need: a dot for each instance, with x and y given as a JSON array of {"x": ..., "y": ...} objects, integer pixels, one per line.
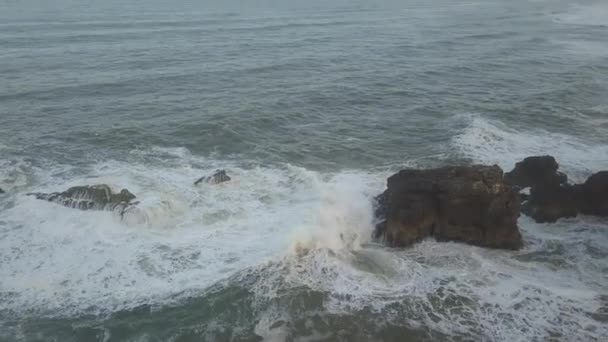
[
  {"x": 219, "y": 176},
  {"x": 536, "y": 171},
  {"x": 90, "y": 197},
  {"x": 1, "y": 191},
  {"x": 470, "y": 204}
]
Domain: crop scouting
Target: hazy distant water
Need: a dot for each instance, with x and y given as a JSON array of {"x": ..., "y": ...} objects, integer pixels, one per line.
[{"x": 309, "y": 105}]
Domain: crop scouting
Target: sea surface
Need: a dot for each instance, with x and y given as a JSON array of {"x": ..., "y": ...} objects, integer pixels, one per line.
[{"x": 309, "y": 106}]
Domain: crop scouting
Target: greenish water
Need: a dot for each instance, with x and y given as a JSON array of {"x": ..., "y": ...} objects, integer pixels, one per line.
[{"x": 309, "y": 106}]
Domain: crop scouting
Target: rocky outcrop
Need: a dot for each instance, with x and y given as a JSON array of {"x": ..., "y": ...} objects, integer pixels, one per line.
[
  {"x": 90, "y": 197},
  {"x": 548, "y": 203},
  {"x": 551, "y": 197},
  {"x": 595, "y": 194},
  {"x": 470, "y": 204},
  {"x": 536, "y": 171},
  {"x": 219, "y": 176}
]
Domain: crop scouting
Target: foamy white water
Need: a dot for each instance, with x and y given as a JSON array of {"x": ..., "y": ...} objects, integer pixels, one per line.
[
  {"x": 180, "y": 237},
  {"x": 300, "y": 228},
  {"x": 554, "y": 286}
]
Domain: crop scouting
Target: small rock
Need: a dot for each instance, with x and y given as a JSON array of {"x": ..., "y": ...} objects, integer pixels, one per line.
[
  {"x": 90, "y": 197},
  {"x": 219, "y": 176}
]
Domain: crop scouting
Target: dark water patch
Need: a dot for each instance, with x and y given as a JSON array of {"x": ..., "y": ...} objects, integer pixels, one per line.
[{"x": 232, "y": 314}]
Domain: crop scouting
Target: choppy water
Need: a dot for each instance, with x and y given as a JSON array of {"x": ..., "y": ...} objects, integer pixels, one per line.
[{"x": 309, "y": 106}]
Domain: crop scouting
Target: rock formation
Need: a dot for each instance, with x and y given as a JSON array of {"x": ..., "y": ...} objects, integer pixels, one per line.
[
  {"x": 551, "y": 197},
  {"x": 548, "y": 203},
  {"x": 595, "y": 194},
  {"x": 219, "y": 176},
  {"x": 535, "y": 171},
  {"x": 470, "y": 204},
  {"x": 93, "y": 197}
]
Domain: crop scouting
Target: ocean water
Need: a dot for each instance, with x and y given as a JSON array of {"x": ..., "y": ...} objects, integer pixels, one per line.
[{"x": 309, "y": 106}]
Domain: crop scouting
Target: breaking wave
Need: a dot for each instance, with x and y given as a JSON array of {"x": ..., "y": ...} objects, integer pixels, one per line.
[{"x": 294, "y": 244}]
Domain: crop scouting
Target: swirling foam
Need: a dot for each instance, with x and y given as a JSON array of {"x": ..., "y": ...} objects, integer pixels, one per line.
[
  {"x": 62, "y": 262},
  {"x": 553, "y": 288}
]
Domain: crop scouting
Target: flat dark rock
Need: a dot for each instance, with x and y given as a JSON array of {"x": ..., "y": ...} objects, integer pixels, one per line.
[{"x": 90, "y": 197}]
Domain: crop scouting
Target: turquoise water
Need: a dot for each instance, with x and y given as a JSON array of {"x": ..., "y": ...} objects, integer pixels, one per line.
[{"x": 309, "y": 106}]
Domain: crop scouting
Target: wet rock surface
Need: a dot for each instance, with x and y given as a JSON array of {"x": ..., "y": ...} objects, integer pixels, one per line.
[
  {"x": 218, "y": 177},
  {"x": 90, "y": 197},
  {"x": 550, "y": 203},
  {"x": 536, "y": 171},
  {"x": 551, "y": 197},
  {"x": 595, "y": 194},
  {"x": 470, "y": 204}
]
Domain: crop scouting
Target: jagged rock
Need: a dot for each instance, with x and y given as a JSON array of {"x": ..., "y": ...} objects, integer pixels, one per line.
[
  {"x": 470, "y": 204},
  {"x": 219, "y": 176},
  {"x": 90, "y": 197},
  {"x": 548, "y": 203},
  {"x": 535, "y": 171},
  {"x": 595, "y": 194},
  {"x": 551, "y": 198}
]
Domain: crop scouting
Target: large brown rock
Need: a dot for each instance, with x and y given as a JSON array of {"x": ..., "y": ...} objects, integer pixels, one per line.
[
  {"x": 470, "y": 204},
  {"x": 90, "y": 197},
  {"x": 535, "y": 171},
  {"x": 595, "y": 194}
]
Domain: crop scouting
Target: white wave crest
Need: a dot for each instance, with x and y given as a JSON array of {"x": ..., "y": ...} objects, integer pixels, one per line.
[{"x": 491, "y": 142}]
